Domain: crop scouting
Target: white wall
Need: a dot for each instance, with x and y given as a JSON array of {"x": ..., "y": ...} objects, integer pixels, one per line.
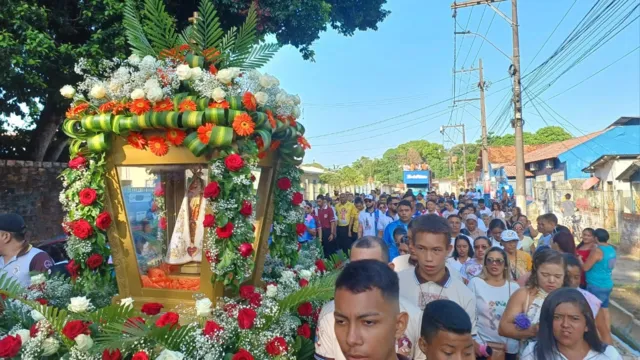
[{"x": 610, "y": 171}]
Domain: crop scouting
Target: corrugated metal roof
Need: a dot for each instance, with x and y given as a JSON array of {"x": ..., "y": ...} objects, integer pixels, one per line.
[{"x": 553, "y": 150}]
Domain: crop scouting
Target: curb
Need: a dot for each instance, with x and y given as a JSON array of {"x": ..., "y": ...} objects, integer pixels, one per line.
[{"x": 625, "y": 325}]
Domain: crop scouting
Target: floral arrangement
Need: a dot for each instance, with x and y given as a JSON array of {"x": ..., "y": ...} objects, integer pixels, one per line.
[
  {"x": 288, "y": 214},
  {"x": 197, "y": 89}
]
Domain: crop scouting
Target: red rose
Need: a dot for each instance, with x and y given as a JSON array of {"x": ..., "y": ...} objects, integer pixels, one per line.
[
  {"x": 10, "y": 346},
  {"x": 246, "y": 291},
  {"x": 162, "y": 223},
  {"x": 211, "y": 328},
  {"x": 103, "y": 221},
  {"x": 320, "y": 265},
  {"x": 140, "y": 355},
  {"x": 245, "y": 249},
  {"x": 226, "y": 231},
  {"x": 74, "y": 328},
  {"x": 305, "y": 309},
  {"x": 304, "y": 330},
  {"x": 284, "y": 184},
  {"x": 159, "y": 191},
  {"x": 87, "y": 196},
  {"x": 212, "y": 190},
  {"x": 33, "y": 331},
  {"x": 154, "y": 207},
  {"x": 253, "y": 178},
  {"x": 209, "y": 221},
  {"x": 151, "y": 308},
  {"x": 42, "y": 301},
  {"x": 247, "y": 208},
  {"x": 94, "y": 261},
  {"x": 242, "y": 354},
  {"x": 297, "y": 198},
  {"x": 73, "y": 269},
  {"x": 255, "y": 299},
  {"x": 111, "y": 355},
  {"x": 77, "y": 162},
  {"x": 277, "y": 346},
  {"x": 234, "y": 162},
  {"x": 300, "y": 229},
  {"x": 169, "y": 318},
  {"x": 82, "y": 229},
  {"x": 303, "y": 282},
  {"x": 246, "y": 317}
]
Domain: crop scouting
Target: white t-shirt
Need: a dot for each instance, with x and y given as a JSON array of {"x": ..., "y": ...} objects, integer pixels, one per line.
[
  {"x": 491, "y": 301},
  {"x": 368, "y": 222},
  {"x": 385, "y": 220},
  {"x": 446, "y": 213},
  {"x": 470, "y": 269},
  {"x": 455, "y": 265},
  {"x": 610, "y": 353},
  {"x": 486, "y": 210},
  {"x": 327, "y": 344},
  {"x": 452, "y": 289},
  {"x": 401, "y": 263}
]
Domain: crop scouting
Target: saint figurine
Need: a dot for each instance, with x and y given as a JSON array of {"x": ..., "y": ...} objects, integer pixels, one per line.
[{"x": 186, "y": 241}]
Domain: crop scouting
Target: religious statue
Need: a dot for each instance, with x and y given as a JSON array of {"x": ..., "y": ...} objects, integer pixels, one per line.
[{"x": 185, "y": 244}]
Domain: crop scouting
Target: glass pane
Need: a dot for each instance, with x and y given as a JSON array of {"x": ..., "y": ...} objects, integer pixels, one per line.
[{"x": 165, "y": 209}]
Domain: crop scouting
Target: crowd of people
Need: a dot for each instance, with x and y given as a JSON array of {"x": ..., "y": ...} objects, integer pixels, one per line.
[{"x": 440, "y": 276}]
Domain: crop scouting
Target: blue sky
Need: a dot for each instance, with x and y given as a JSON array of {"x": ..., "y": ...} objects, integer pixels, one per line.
[{"x": 406, "y": 65}]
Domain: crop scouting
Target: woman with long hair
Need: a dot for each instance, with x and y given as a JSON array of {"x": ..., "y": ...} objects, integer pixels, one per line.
[
  {"x": 563, "y": 242},
  {"x": 496, "y": 227},
  {"x": 473, "y": 266},
  {"x": 584, "y": 249},
  {"x": 519, "y": 261},
  {"x": 462, "y": 252},
  {"x": 567, "y": 330},
  {"x": 521, "y": 318},
  {"x": 515, "y": 214},
  {"x": 492, "y": 290},
  {"x": 526, "y": 243},
  {"x": 496, "y": 211},
  {"x": 311, "y": 227}
]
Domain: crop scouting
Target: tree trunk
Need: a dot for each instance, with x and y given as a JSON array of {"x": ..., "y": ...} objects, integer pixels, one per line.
[
  {"x": 45, "y": 130},
  {"x": 56, "y": 148}
]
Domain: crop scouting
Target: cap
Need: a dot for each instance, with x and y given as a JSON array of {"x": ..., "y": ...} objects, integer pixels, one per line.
[
  {"x": 12, "y": 223},
  {"x": 472, "y": 217},
  {"x": 509, "y": 235},
  {"x": 368, "y": 197}
]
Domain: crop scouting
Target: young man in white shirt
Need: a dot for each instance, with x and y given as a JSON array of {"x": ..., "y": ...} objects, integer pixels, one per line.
[
  {"x": 368, "y": 218},
  {"x": 449, "y": 209},
  {"x": 390, "y": 216},
  {"x": 327, "y": 346},
  {"x": 431, "y": 279},
  {"x": 482, "y": 209}
]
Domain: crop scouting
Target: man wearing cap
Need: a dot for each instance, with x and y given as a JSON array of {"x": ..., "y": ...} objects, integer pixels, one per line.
[
  {"x": 368, "y": 218},
  {"x": 17, "y": 257}
]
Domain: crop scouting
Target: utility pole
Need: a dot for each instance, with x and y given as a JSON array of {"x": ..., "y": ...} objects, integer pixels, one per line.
[
  {"x": 485, "y": 143},
  {"x": 464, "y": 149}
]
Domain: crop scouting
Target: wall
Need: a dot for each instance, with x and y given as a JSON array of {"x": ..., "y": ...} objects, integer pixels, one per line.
[
  {"x": 32, "y": 189},
  {"x": 611, "y": 170}
]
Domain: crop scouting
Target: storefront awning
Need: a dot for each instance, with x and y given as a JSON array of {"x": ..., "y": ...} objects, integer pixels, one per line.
[{"x": 591, "y": 182}]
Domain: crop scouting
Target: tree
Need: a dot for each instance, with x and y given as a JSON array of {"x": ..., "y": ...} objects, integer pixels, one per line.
[
  {"x": 413, "y": 157},
  {"x": 42, "y": 41},
  {"x": 545, "y": 135}
]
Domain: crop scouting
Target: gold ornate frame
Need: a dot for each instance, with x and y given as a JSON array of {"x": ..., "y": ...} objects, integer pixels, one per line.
[{"x": 120, "y": 236}]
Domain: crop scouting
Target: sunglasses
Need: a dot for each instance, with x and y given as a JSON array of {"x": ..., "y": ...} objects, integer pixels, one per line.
[{"x": 495, "y": 261}]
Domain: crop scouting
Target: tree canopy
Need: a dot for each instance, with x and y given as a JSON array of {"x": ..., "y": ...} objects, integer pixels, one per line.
[
  {"x": 42, "y": 41},
  {"x": 545, "y": 135}
]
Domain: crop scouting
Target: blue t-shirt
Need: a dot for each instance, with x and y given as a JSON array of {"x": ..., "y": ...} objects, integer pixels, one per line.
[
  {"x": 390, "y": 241},
  {"x": 600, "y": 274},
  {"x": 310, "y": 223}
]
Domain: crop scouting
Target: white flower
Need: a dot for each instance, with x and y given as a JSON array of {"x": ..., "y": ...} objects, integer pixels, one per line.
[
  {"x": 38, "y": 279},
  {"x": 306, "y": 274},
  {"x": 24, "y": 334},
  {"x": 134, "y": 59},
  {"x": 267, "y": 81},
  {"x": 296, "y": 112},
  {"x": 79, "y": 304},
  {"x": 83, "y": 342},
  {"x": 170, "y": 355},
  {"x": 150, "y": 84},
  {"x": 296, "y": 99},
  {"x": 203, "y": 307},
  {"x": 50, "y": 346},
  {"x": 183, "y": 71},
  {"x": 195, "y": 73},
  {"x": 155, "y": 94},
  {"x": 261, "y": 97},
  {"x": 225, "y": 76},
  {"x": 36, "y": 315},
  {"x": 68, "y": 91},
  {"x": 218, "y": 94},
  {"x": 137, "y": 94},
  {"x": 98, "y": 92},
  {"x": 114, "y": 86},
  {"x": 272, "y": 290},
  {"x": 282, "y": 98},
  {"x": 127, "y": 302}
]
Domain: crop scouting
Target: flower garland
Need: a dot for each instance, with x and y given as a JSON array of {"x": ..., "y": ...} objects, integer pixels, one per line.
[{"x": 288, "y": 219}]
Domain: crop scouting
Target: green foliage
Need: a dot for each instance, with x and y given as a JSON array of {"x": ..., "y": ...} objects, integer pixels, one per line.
[
  {"x": 159, "y": 26},
  {"x": 9, "y": 286},
  {"x": 545, "y": 135},
  {"x": 321, "y": 289},
  {"x": 305, "y": 348},
  {"x": 135, "y": 32},
  {"x": 207, "y": 32}
]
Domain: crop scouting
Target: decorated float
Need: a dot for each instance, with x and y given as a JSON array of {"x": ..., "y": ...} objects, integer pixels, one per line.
[{"x": 183, "y": 176}]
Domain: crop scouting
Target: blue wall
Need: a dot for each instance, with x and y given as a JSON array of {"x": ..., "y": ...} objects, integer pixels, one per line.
[{"x": 616, "y": 141}]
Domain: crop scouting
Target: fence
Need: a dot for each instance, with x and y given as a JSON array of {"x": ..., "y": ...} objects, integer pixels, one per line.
[{"x": 616, "y": 211}]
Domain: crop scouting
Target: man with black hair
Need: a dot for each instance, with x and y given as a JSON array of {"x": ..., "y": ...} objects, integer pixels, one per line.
[
  {"x": 431, "y": 208},
  {"x": 328, "y": 346},
  {"x": 431, "y": 279},
  {"x": 17, "y": 257},
  {"x": 390, "y": 216},
  {"x": 449, "y": 209},
  {"x": 446, "y": 332},
  {"x": 405, "y": 212},
  {"x": 482, "y": 209},
  {"x": 327, "y": 225},
  {"x": 412, "y": 200}
]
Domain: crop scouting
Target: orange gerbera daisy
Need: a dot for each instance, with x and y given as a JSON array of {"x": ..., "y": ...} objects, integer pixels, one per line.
[
  {"x": 184, "y": 47},
  {"x": 303, "y": 142},
  {"x": 272, "y": 120},
  {"x": 204, "y": 132},
  {"x": 77, "y": 110},
  {"x": 139, "y": 106},
  {"x": 282, "y": 118},
  {"x": 176, "y": 136},
  {"x": 187, "y": 105},
  {"x": 243, "y": 125},
  {"x": 213, "y": 69},
  {"x": 224, "y": 104},
  {"x": 249, "y": 101},
  {"x": 164, "y": 105},
  {"x": 158, "y": 145},
  {"x": 292, "y": 120},
  {"x": 119, "y": 108},
  {"x": 136, "y": 140},
  {"x": 106, "y": 107},
  {"x": 275, "y": 144}
]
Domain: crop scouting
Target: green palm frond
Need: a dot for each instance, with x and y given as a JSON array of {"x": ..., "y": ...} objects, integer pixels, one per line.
[
  {"x": 207, "y": 32},
  {"x": 119, "y": 335},
  {"x": 257, "y": 58},
  {"x": 111, "y": 314},
  {"x": 226, "y": 45},
  {"x": 55, "y": 316},
  {"x": 134, "y": 30},
  {"x": 321, "y": 289},
  {"x": 305, "y": 348},
  {"x": 10, "y": 286},
  {"x": 246, "y": 35},
  {"x": 159, "y": 26}
]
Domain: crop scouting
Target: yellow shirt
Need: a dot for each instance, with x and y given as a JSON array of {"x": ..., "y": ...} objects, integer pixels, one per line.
[
  {"x": 355, "y": 214},
  {"x": 344, "y": 213}
]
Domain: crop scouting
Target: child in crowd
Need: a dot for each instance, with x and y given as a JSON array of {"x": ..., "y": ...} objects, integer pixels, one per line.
[{"x": 446, "y": 332}]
